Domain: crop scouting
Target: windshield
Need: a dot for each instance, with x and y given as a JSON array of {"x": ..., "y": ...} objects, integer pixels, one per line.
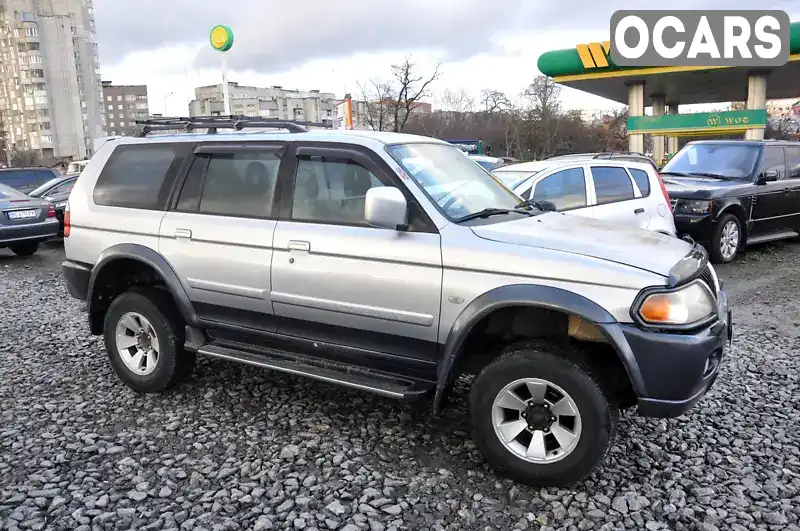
[
  {"x": 728, "y": 160},
  {"x": 513, "y": 178},
  {"x": 456, "y": 184}
]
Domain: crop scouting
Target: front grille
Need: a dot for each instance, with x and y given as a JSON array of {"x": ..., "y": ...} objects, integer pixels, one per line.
[{"x": 708, "y": 277}]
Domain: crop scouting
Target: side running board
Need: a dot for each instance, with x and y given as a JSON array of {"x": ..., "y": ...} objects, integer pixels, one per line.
[{"x": 382, "y": 384}]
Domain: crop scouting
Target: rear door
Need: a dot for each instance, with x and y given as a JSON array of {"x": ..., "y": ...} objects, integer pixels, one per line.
[
  {"x": 616, "y": 196},
  {"x": 566, "y": 189},
  {"x": 218, "y": 232}
]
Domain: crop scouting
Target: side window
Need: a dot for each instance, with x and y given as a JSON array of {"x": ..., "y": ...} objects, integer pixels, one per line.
[
  {"x": 189, "y": 198},
  {"x": 611, "y": 184},
  {"x": 793, "y": 162},
  {"x": 642, "y": 181},
  {"x": 240, "y": 184},
  {"x": 139, "y": 175},
  {"x": 774, "y": 161},
  {"x": 566, "y": 189},
  {"x": 63, "y": 187},
  {"x": 44, "y": 176},
  {"x": 332, "y": 190}
]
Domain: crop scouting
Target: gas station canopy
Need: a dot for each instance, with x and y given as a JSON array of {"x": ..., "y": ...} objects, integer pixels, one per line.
[{"x": 588, "y": 67}]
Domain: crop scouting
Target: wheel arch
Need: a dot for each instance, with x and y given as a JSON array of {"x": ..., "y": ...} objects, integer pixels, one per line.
[
  {"x": 738, "y": 210},
  {"x": 139, "y": 259},
  {"x": 531, "y": 296}
]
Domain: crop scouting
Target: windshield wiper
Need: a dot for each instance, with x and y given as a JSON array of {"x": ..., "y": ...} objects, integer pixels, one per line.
[
  {"x": 486, "y": 212},
  {"x": 712, "y": 175},
  {"x": 676, "y": 173}
]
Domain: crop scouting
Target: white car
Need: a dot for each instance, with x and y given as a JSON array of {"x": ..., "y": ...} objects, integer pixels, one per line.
[
  {"x": 488, "y": 163},
  {"x": 617, "y": 190}
]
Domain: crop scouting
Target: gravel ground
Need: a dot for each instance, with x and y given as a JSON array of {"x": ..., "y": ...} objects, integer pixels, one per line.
[{"x": 241, "y": 448}]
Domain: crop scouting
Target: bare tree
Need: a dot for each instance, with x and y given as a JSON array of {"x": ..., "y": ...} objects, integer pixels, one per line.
[
  {"x": 456, "y": 102},
  {"x": 411, "y": 88},
  {"x": 27, "y": 158},
  {"x": 543, "y": 115},
  {"x": 378, "y": 97},
  {"x": 494, "y": 101}
]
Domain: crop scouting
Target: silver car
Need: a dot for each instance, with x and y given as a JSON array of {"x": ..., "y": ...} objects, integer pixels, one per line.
[
  {"x": 390, "y": 264},
  {"x": 25, "y": 221}
]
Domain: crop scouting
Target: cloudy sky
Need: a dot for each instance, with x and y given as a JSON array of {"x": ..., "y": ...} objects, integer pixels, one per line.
[{"x": 331, "y": 45}]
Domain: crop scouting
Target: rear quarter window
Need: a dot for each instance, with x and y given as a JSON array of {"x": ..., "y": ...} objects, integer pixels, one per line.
[
  {"x": 642, "y": 180},
  {"x": 140, "y": 175}
]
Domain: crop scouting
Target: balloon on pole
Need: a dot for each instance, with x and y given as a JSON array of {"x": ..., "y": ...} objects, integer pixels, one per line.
[{"x": 221, "y": 38}]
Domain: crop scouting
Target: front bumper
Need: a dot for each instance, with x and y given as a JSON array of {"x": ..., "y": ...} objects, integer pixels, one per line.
[
  {"x": 700, "y": 228},
  {"x": 675, "y": 370},
  {"x": 29, "y": 232}
]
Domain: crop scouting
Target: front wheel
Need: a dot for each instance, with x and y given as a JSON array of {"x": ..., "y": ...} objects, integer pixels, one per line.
[
  {"x": 25, "y": 249},
  {"x": 540, "y": 416},
  {"x": 726, "y": 240}
]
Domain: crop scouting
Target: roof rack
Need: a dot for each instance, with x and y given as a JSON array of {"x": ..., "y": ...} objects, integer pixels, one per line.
[{"x": 213, "y": 123}]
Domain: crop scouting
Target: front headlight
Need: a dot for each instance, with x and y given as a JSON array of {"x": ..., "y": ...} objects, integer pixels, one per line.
[
  {"x": 691, "y": 206},
  {"x": 690, "y": 304}
]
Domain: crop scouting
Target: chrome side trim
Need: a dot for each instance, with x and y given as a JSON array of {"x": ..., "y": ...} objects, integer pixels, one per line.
[{"x": 361, "y": 310}]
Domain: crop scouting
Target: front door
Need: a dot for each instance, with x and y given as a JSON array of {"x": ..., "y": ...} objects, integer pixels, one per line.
[
  {"x": 336, "y": 279},
  {"x": 218, "y": 236},
  {"x": 771, "y": 211}
]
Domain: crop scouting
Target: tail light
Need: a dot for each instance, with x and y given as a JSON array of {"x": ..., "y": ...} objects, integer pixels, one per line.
[
  {"x": 664, "y": 191},
  {"x": 51, "y": 211},
  {"x": 66, "y": 223}
]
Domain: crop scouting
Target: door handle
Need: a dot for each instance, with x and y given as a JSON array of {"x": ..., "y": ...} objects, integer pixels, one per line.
[
  {"x": 297, "y": 245},
  {"x": 183, "y": 233},
  {"x": 639, "y": 211}
]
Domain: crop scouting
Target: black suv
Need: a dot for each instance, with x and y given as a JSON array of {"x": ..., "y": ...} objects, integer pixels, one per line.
[{"x": 726, "y": 194}]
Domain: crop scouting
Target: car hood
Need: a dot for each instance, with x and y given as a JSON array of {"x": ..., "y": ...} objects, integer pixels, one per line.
[
  {"x": 647, "y": 250},
  {"x": 700, "y": 186}
]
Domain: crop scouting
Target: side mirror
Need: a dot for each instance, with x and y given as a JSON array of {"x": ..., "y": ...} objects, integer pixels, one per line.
[
  {"x": 768, "y": 176},
  {"x": 386, "y": 207},
  {"x": 548, "y": 206}
]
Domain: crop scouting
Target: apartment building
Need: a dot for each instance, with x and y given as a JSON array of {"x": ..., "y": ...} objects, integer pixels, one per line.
[
  {"x": 267, "y": 102},
  {"x": 124, "y": 104},
  {"x": 50, "y": 92}
]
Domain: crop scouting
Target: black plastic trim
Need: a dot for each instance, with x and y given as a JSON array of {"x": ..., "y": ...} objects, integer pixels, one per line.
[
  {"x": 213, "y": 148},
  {"x": 77, "y": 276},
  {"x": 697, "y": 254},
  {"x": 646, "y": 292},
  {"x": 152, "y": 259},
  {"x": 534, "y": 295}
]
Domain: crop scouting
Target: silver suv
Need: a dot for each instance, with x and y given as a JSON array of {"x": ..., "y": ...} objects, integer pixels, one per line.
[{"x": 392, "y": 264}]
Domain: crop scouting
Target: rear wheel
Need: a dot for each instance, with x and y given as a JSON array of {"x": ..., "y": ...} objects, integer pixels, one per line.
[
  {"x": 726, "y": 240},
  {"x": 143, "y": 335},
  {"x": 24, "y": 249},
  {"x": 540, "y": 416}
]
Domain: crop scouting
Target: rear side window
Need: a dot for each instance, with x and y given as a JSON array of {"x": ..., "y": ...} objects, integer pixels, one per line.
[
  {"x": 240, "y": 184},
  {"x": 793, "y": 162},
  {"x": 611, "y": 184},
  {"x": 140, "y": 175},
  {"x": 642, "y": 181}
]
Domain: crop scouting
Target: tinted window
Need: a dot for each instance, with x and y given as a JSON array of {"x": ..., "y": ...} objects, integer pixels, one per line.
[
  {"x": 63, "y": 188},
  {"x": 240, "y": 184},
  {"x": 611, "y": 184},
  {"x": 190, "y": 193},
  {"x": 774, "y": 161},
  {"x": 139, "y": 176},
  {"x": 566, "y": 189},
  {"x": 45, "y": 175},
  {"x": 642, "y": 181},
  {"x": 23, "y": 180},
  {"x": 793, "y": 162},
  {"x": 330, "y": 189}
]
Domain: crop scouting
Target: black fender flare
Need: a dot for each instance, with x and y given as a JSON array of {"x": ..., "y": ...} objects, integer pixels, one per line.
[
  {"x": 152, "y": 259},
  {"x": 538, "y": 296}
]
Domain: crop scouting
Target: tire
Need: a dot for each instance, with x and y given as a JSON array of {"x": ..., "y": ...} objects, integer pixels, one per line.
[
  {"x": 25, "y": 249},
  {"x": 562, "y": 369},
  {"x": 726, "y": 222},
  {"x": 156, "y": 313}
]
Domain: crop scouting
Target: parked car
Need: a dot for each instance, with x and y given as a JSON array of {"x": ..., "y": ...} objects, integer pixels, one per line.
[
  {"x": 26, "y": 180},
  {"x": 77, "y": 166},
  {"x": 392, "y": 264},
  {"x": 57, "y": 192},
  {"x": 25, "y": 221},
  {"x": 728, "y": 194},
  {"x": 621, "y": 191},
  {"x": 490, "y": 163}
]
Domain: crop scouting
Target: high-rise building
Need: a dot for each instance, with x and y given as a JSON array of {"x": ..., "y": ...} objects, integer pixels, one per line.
[
  {"x": 51, "y": 99},
  {"x": 124, "y": 104}
]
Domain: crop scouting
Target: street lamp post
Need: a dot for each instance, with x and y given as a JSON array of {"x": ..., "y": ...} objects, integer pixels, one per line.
[{"x": 165, "y": 101}]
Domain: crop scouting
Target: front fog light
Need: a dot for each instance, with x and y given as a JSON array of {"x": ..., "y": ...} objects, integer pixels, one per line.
[{"x": 681, "y": 307}]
